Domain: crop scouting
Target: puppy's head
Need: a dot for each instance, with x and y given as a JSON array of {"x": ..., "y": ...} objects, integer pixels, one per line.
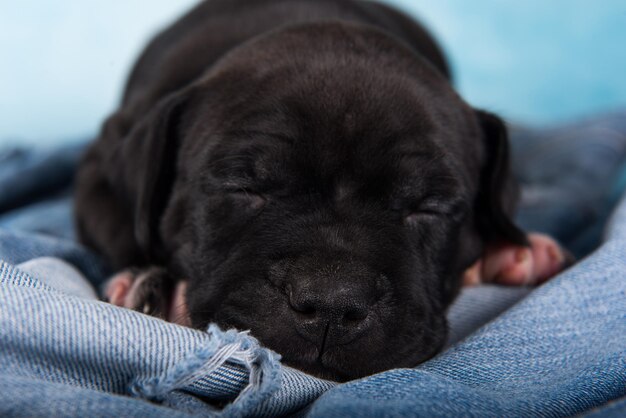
[{"x": 324, "y": 187}]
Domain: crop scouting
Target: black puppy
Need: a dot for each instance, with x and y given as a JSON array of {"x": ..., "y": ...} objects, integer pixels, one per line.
[{"x": 307, "y": 169}]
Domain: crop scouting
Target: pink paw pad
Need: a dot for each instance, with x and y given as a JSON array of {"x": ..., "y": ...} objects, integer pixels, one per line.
[
  {"x": 117, "y": 288},
  {"x": 517, "y": 266}
]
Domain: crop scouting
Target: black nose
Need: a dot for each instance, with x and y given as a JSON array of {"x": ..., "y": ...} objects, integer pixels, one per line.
[{"x": 327, "y": 315}]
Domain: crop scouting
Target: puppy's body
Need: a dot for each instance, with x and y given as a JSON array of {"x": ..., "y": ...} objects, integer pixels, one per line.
[{"x": 307, "y": 167}]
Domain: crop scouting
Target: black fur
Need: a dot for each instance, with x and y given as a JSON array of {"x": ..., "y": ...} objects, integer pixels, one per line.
[{"x": 306, "y": 165}]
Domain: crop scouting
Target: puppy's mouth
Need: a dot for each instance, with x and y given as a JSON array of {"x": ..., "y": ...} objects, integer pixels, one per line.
[
  {"x": 343, "y": 360},
  {"x": 333, "y": 363}
]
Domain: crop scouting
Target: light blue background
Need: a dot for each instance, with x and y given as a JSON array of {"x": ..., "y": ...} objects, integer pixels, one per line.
[{"x": 64, "y": 62}]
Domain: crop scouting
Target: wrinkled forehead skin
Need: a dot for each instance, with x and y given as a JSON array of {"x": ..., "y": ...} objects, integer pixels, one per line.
[{"x": 304, "y": 105}]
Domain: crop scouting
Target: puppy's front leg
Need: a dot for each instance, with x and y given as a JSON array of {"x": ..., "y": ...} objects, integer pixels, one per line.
[{"x": 151, "y": 291}]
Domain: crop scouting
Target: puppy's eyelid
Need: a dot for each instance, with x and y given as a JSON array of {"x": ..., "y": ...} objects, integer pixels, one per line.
[
  {"x": 234, "y": 184},
  {"x": 430, "y": 209},
  {"x": 426, "y": 205},
  {"x": 253, "y": 199}
]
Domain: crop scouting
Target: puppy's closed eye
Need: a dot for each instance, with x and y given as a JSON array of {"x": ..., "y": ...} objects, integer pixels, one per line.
[
  {"x": 414, "y": 218},
  {"x": 245, "y": 198},
  {"x": 427, "y": 210}
]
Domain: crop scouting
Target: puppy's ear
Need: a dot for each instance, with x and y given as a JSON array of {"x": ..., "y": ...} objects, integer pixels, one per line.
[
  {"x": 150, "y": 155},
  {"x": 497, "y": 195}
]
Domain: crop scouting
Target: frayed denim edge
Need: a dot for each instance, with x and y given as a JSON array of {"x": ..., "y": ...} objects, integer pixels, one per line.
[{"x": 232, "y": 346}]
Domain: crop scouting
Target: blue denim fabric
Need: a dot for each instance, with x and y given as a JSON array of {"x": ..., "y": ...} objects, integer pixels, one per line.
[
  {"x": 36, "y": 210},
  {"x": 59, "y": 275},
  {"x": 559, "y": 352},
  {"x": 570, "y": 178},
  {"x": 30, "y": 175}
]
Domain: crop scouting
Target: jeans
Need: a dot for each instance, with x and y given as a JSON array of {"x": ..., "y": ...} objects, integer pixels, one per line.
[{"x": 559, "y": 351}]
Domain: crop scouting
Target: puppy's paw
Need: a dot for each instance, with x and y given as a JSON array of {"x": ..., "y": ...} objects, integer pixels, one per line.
[
  {"x": 516, "y": 265},
  {"x": 151, "y": 291},
  {"x": 117, "y": 288}
]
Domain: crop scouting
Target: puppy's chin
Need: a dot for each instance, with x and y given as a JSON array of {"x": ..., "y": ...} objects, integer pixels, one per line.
[
  {"x": 343, "y": 364},
  {"x": 397, "y": 339}
]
